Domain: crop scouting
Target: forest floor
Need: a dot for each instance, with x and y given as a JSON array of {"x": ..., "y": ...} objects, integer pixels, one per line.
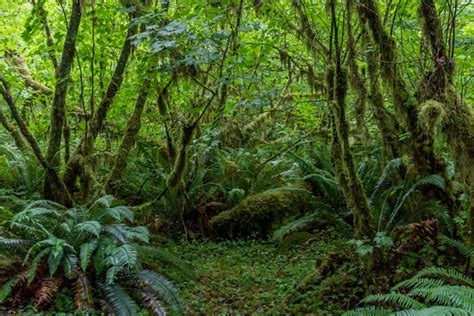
[{"x": 244, "y": 277}]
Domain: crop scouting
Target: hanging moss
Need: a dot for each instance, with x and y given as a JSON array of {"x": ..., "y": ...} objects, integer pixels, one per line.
[{"x": 257, "y": 214}]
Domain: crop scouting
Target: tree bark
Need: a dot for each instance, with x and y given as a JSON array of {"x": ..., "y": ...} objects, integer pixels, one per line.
[
  {"x": 51, "y": 172},
  {"x": 12, "y": 131},
  {"x": 352, "y": 188},
  {"x": 442, "y": 109},
  {"x": 128, "y": 140},
  {"x": 81, "y": 158},
  {"x": 52, "y": 188}
]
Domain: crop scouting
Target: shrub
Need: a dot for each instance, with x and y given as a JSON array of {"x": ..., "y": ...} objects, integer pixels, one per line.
[{"x": 92, "y": 252}]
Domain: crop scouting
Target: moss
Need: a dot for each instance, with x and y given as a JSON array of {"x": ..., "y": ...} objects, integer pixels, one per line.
[
  {"x": 176, "y": 175},
  {"x": 293, "y": 239},
  {"x": 256, "y": 214}
]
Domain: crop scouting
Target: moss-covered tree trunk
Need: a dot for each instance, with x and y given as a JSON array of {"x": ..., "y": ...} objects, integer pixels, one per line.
[
  {"x": 342, "y": 156},
  {"x": 423, "y": 158},
  {"x": 128, "y": 140},
  {"x": 81, "y": 163},
  {"x": 441, "y": 107},
  {"x": 356, "y": 80},
  {"x": 51, "y": 172},
  {"x": 52, "y": 189},
  {"x": 12, "y": 131},
  {"x": 386, "y": 122}
]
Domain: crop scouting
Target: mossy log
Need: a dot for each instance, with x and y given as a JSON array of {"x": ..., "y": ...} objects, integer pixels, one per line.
[{"x": 257, "y": 214}]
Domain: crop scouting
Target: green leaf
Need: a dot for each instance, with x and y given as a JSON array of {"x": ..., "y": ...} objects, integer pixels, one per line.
[{"x": 86, "y": 252}]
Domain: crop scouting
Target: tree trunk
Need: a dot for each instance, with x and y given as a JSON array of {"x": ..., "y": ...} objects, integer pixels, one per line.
[
  {"x": 52, "y": 189},
  {"x": 345, "y": 167},
  {"x": 128, "y": 140},
  {"x": 12, "y": 131},
  {"x": 82, "y": 156},
  {"x": 50, "y": 172},
  {"x": 442, "y": 109}
]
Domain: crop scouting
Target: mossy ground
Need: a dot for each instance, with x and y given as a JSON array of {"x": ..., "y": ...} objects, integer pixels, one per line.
[{"x": 246, "y": 277}]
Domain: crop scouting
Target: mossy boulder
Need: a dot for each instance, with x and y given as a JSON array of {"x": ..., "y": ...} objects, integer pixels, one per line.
[{"x": 257, "y": 214}]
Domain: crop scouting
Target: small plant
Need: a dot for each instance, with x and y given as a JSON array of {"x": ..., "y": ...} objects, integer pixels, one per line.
[
  {"x": 381, "y": 240},
  {"x": 432, "y": 291},
  {"x": 91, "y": 251}
]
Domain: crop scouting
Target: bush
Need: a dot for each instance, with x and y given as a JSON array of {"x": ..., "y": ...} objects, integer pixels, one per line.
[{"x": 90, "y": 253}]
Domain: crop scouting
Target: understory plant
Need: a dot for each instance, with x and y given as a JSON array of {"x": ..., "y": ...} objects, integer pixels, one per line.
[
  {"x": 431, "y": 291},
  {"x": 89, "y": 254}
]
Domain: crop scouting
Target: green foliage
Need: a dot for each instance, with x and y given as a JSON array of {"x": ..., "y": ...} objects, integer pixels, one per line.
[
  {"x": 432, "y": 290},
  {"x": 19, "y": 172},
  {"x": 91, "y": 250}
]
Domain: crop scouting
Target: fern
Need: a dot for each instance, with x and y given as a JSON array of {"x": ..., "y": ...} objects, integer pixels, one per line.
[
  {"x": 368, "y": 311},
  {"x": 463, "y": 248},
  {"x": 434, "y": 180},
  {"x": 400, "y": 300},
  {"x": 418, "y": 283},
  {"x": 152, "y": 302},
  {"x": 392, "y": 166},
  {"x": 119, "y": 300},
  {"x": 91, "y": 227},
  {"x": 447, "y": 295},
  {"x": 446, "y": 299},
  {"x": 434, "y": 311},
  {"x": 445, "y": 273},
  {"x": 86, "y": 251},
  {"x": 162, "y": 287},
  {"x": 118, "y": 232},
  {"x": 324, "y": 212},
  {"x": 82, "y": 289},
  {"x": 69, "y": 248}
]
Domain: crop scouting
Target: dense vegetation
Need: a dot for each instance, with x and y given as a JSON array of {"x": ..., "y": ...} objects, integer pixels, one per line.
[{"x": 237, "y": 157}]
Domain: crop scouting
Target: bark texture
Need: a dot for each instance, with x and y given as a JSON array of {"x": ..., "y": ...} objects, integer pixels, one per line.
[
  {"x": 52, "y": 189},
  {"x": 128, "y": 140}
]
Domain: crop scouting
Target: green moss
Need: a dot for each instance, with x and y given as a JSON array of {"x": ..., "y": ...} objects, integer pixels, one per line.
[
  {"x": 293, "y": 239},
  {"x": 256, "y": 214}
]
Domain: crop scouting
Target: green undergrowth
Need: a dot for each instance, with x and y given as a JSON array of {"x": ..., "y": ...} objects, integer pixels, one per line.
[{"x": 246, "y": 277}]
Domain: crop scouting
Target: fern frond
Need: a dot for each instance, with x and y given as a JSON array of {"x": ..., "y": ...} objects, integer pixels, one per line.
[
  {"x": 7, "y": 288},
  {"x": 397, "y": 299},
  {"x": 105, "y": 202},
  {"x": 162, "y": 287},
  {"x": 418, "y": 283},
  {"x": 392, "y": 165},
  {"x": 434, "y": 311},
  {"x": 35, "y": 262},
  {"x": 138, "y": 233},
  {"x": 445, "y": 273},
  {"x": 70, "y": 265},
  {"x": 152, "y": 303},
  {"x": 118, "y": 231},
  {"x": 86, "y": 251},
  {"x": 121, "y": 303},
  {"x": 122, "y": 257},
  {"x": 368, "y": 311},
  {"x": 324, "y": 212},
  {"x": 46, "y": 291},
  {"x": 29, "y": 214},
  {"x": 447, "y": 295},
  {"x": 463, "y": 248},
  {"x": 83, "y": 295},
  {"x": 15, "y": 243},
  {"x": 90, "y": 227}
]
